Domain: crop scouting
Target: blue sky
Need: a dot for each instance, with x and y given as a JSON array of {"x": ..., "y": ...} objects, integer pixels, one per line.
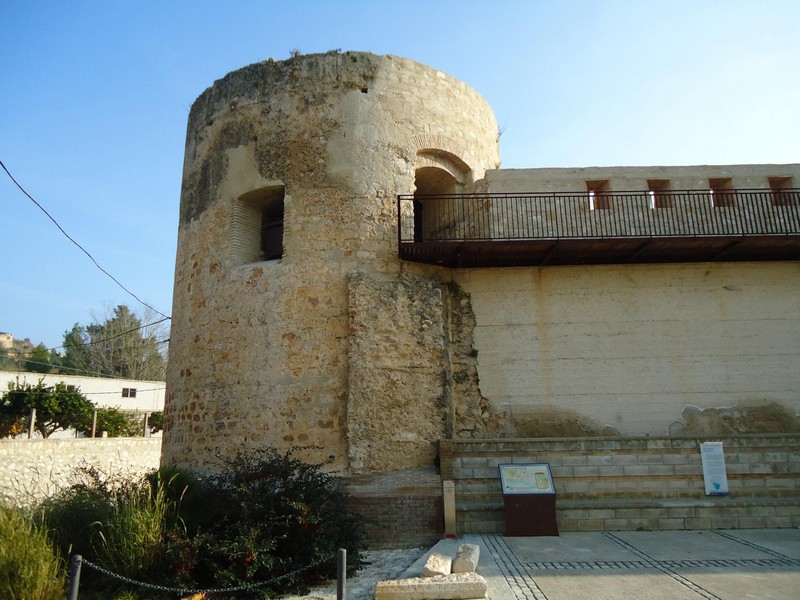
[{"x": 94, "y": 98}]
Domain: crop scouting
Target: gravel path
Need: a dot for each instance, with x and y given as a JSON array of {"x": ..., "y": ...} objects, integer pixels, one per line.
[{"x": 382, "y": 564}]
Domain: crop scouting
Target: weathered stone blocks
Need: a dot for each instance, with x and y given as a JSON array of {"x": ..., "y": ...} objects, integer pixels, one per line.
[
  {"x": 457, "y": 586},
  {"x": 276, "y": 348},
  {"x": 437, "y": 564},
  {"x": 466, "y": 559}
]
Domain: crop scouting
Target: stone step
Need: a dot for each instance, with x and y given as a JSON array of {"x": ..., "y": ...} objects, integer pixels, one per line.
[
  {"x": 648, "y": 514},
  {"x": 456, "y": 586}
]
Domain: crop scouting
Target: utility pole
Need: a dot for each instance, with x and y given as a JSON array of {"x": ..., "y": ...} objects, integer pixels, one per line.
[{"x": 31, "y": 423}]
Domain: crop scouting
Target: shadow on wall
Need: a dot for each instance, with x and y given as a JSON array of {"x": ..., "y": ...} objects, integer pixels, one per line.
[
  {"x": 552, "y": 421},
  {"x": 747, "y": 417}
]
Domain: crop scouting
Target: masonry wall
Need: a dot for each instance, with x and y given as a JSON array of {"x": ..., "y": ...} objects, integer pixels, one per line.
[
  {"x": 617, "y": 483},
  {"x": 365, "y": 361},
  {"x": 260, "y": 350},
  {"x": 31, "y": 470},
  {"x": 639, "y": 349},
  {"x": 688, "y": 208},
  {"x": 413, "y": 372},
  {"x": 694, "y": 177}
]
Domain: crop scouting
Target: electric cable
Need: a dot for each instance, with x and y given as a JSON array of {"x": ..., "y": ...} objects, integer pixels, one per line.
[
  {"x": 119, "y": 335},
  {"x": 86, "y": 252}
]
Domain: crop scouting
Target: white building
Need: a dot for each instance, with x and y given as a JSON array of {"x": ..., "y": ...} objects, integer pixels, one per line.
[{"x": 128, "y": 395}]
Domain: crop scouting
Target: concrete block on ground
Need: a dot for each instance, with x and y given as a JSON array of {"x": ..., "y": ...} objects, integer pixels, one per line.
[
  {"x": 437, "y": 564},
  {"x": 467, "y": 557},
  {"x": 456, "y": 586}
]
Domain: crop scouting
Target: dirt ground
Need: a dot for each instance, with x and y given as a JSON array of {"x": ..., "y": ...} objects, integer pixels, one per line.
[{"x": 382, "y": 565}]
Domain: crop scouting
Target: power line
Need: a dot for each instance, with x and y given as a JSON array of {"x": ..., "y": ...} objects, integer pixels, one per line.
[
  {"x": 21, "y": 353},
  {"x": 119, "y": 335},
  {"x": 86, "y": 252},
  {"x": 92, "y": 374}
]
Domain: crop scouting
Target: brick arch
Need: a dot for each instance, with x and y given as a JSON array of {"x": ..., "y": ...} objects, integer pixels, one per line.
[{"x": 441, "y": 152}]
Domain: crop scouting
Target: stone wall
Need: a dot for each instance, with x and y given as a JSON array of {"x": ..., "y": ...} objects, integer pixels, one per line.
[
  {"x": 259, "y": 349},
  {"x": 616, "y": 483},
  {"x": 396, "y": 406},
  {"x": 694, "y": 177},
  {"x": 639, "y": 349},
  {"x": 337, "y": 346},
  {"x": 399, "y": 509},
  {"x": 413, "y": 372},
  {"x": 31, "y": 470}
]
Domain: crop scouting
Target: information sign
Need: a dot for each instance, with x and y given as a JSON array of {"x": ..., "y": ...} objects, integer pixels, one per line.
[
  {"x": 527, "y": 479},
  {"x": 714, "y": 473}
]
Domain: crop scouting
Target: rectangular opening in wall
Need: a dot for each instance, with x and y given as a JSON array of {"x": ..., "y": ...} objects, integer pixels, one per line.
[
  {"x": 129, "y": 392},
  {"x": 599, "y": 194},
  {"x": 660, "y": 193},
  {"x": 782, "y": 191},
  {"x": 257, "y": 225},
  {"x": 722, "y": 192}
]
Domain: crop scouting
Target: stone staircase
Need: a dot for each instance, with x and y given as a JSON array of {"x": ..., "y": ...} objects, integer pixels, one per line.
[{"x": 646, "y": 483}]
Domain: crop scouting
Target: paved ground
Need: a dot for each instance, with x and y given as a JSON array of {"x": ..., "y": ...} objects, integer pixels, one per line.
[{"x": 762, "y": 564}]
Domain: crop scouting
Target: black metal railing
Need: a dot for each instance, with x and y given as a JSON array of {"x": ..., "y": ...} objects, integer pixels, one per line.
[{"x": 579, "y": 216}]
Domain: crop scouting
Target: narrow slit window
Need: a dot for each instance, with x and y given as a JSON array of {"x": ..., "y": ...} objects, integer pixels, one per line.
[
  {"x": 782, "y": 191},
  {"x": 660, "y": 193},
  {"x": 722, "y": 192},
  {"x": 599, "y": 194},
  {"x": 272, "y": 231},
  {"x": 257, "y": 225}
]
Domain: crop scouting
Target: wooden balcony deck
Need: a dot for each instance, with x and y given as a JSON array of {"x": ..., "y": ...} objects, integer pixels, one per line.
[{"x": 505, "y": 230}]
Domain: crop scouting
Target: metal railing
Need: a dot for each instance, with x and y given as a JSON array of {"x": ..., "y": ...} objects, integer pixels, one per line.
[{"x": 635, "y": 214}]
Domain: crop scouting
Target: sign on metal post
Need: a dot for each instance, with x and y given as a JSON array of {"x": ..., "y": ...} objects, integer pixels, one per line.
[{"x": 714, "y": 474}]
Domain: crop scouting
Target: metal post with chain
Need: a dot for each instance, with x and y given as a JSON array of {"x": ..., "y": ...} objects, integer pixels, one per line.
[{"x": 77, "y": 561}]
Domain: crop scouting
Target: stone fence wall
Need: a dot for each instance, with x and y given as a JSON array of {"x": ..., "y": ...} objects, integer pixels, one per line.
[
  {"x": 619, "y": 483},
  {"x": 31, "y": 470}
]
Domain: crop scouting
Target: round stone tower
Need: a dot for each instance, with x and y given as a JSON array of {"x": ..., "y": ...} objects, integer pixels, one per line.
[{"x": 294, "y": 323}]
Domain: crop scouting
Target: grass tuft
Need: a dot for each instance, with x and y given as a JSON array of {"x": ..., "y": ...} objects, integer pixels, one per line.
[{"x": 29, "y": 567}]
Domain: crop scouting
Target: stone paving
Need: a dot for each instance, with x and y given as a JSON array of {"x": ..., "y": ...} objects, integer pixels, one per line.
[
  {"x": 723, "y": 565},
  {"x": 759, "y": 564}
]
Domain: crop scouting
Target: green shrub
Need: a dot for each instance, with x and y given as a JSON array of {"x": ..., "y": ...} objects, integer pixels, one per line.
[
  {"x": 73, "y": 516},
  {"x": 114, "y": 522},
  {"x": 130, "y": 540},
  {"x": 29, "y": 568},
  {"x": 266, "y": 516},
  {"x": 192, "y": 504},
  {"x": 274, "y": 516}
]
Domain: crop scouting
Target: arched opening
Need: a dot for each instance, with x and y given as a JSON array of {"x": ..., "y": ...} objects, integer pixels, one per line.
[
  {"x": 257, "y": 225},
  {"x": 427, "y": 210},
  {"x": 438, "y": 173},
  {"x": 435, "y": 180}
]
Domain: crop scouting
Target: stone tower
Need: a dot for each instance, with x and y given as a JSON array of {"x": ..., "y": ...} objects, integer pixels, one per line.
[{"x": 294, "y": 322}]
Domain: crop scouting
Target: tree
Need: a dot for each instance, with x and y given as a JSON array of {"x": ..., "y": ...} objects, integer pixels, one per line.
[
  {"x": 41, "y": 360},
  {"x": 57, "y": 407},
  {"x": 156, "y": 422},
  {"x": 117, "y": 423},
  {"x": 119, "y": 346},
  {"x": 6, "y": 362}
]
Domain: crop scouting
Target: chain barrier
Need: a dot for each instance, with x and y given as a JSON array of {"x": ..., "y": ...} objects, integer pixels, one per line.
[{"x": 184, "y": 591}]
